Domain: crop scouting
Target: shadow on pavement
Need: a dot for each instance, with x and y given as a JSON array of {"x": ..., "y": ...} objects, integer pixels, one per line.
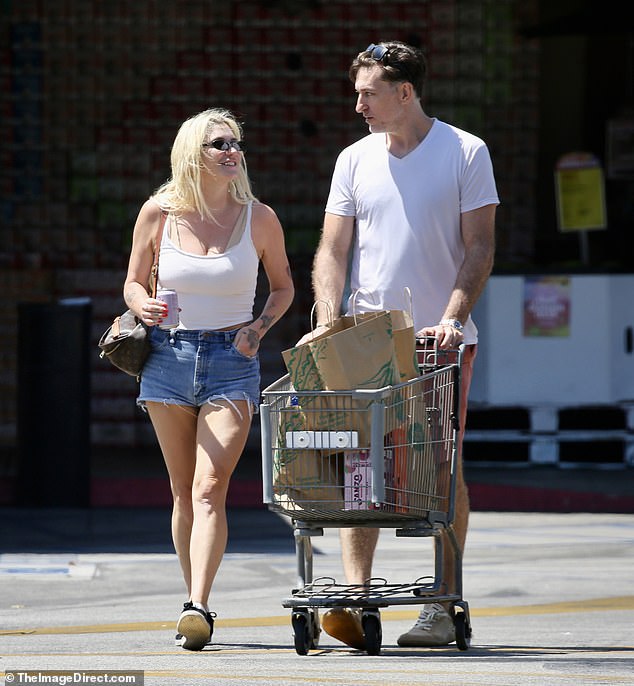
[{"x": 127, "y": 530}]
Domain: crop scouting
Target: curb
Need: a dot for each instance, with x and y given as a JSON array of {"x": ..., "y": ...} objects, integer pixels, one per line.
[{"x": 247, "y": 493}]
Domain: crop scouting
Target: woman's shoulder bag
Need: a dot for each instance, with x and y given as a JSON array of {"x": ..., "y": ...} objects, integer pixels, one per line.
[{"x": 125, "y": 342}]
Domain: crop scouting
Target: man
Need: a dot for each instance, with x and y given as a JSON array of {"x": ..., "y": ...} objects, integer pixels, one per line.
[{"x": 411, "y": 205}]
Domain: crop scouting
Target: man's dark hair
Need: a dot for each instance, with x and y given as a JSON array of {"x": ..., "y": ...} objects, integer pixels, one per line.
[{"x": 399, "y": 62}]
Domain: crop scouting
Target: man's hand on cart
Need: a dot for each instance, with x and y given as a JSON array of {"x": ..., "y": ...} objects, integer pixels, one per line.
[{"x": 446, "y": 333}]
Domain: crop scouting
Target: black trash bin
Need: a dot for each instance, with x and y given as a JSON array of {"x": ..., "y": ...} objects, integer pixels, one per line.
[{"x": 53, "y": 403}]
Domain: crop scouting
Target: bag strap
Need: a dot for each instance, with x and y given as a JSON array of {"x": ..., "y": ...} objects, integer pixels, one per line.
[
  {"x": 157, "y": 250},
  {"x": 406, "y": 292},
  {"x": 116, "y": 327},
  {"x": 313, "y": 310},
  {"x": 354, "y": 301},
  {"x": 410, "y": 303}
]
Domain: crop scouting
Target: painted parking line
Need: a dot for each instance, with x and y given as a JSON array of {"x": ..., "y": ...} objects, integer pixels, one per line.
[
  {"x": 72, "y": 570},
  {"x": 40, "y": 565},
  {"x": 592, "y": 605}
]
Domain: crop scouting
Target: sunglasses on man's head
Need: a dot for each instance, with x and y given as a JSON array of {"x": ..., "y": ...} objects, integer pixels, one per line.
[
  {"x": 222, "y": 144},
  {"x": 381, "y": 54},
  {"x": 377, "y": 52}
]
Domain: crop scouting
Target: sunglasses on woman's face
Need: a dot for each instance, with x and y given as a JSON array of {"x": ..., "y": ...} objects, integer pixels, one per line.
[{"x": 224, "y": 145}]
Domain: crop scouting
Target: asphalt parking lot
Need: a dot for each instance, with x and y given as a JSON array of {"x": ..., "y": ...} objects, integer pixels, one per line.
[{"x": 551, "y": 597}]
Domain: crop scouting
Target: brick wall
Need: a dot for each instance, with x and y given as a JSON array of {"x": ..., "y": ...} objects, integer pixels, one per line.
[{"x": 93, "y": 93}]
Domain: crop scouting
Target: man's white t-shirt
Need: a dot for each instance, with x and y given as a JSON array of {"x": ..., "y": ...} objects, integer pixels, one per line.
[{"x": 407, "y": 215}]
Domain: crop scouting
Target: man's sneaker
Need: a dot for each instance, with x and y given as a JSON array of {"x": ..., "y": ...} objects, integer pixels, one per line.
[
  {"x": 344, "y": 624},
  {"x": 434, "y": 627},
  {"x": 195, "y": 626}
]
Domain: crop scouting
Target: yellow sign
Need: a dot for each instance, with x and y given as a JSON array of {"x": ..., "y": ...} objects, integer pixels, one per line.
[{"x": 580, "y": 194}]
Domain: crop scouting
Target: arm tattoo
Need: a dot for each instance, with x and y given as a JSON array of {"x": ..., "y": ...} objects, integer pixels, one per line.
[
  {"x": 266, "y": 320},
  {"x": 252, "y": 338},
  {"x": 130, "y": 296}
]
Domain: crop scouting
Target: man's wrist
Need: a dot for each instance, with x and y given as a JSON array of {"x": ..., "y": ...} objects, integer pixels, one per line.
[{"x": 450, "y": 321}]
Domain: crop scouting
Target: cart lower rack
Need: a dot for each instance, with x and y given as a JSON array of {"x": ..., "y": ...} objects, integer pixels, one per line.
[{"x": 381, "y": 458}]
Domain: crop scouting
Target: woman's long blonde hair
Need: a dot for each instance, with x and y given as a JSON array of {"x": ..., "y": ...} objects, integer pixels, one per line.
[{"x": 183, "y": 191}]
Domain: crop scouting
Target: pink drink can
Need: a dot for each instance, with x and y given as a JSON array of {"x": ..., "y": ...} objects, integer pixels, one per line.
[{"x": 170, "y": 298}]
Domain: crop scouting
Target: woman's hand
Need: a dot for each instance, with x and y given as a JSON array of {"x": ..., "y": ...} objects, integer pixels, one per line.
[
  {"x": 153, "y": 312},
  {"x": 247, "y": 341}
]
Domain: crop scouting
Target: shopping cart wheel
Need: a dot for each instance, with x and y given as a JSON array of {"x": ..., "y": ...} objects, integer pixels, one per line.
[
  {"x": 303, "y": 632},
  {"x": 463, "y": 630},
  {"x": 372, "y": 632}
]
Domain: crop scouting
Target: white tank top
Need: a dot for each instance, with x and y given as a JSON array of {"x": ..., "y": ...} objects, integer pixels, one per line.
[{"x": 214, "y": 291}]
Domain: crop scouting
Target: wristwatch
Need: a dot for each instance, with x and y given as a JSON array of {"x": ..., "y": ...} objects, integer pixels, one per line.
[{"x": 451, "y": 322}]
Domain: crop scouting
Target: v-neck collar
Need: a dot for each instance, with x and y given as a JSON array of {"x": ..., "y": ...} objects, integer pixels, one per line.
[{"x": 416, "y": 147}]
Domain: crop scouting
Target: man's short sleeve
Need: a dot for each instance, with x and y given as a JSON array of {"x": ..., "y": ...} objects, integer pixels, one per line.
[
  {"x": 478, "y": 184},
  {"x": 340, "y": 199}
]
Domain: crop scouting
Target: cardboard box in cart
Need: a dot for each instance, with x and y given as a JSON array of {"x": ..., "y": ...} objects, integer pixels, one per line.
[
  {"x": 357, "y": 485},
  {"x": 357, "y": 480}
]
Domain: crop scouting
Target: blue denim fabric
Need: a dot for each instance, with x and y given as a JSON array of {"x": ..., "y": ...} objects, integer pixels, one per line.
[{"x": 196, "y": 367}]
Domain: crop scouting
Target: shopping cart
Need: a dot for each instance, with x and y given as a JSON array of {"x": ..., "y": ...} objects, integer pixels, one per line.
[{"x": 367, "y": 458}]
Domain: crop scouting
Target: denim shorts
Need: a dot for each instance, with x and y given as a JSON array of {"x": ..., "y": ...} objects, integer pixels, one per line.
[{"x": 196, "y": 367}]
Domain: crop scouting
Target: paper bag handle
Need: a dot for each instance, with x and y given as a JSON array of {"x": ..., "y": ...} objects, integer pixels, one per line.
[
  {"x": 313, "y": 309},
  {"x": 354, "y": 301},
  {"x": 408, "y": 299},
  {"x": 408, "y": 302}
]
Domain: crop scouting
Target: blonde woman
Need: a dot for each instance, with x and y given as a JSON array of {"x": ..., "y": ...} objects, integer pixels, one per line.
[{"x": 201, "y": 383}]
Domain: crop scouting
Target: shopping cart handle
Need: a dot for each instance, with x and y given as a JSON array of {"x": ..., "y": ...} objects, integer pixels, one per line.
[{"x": 427, "y": 342}]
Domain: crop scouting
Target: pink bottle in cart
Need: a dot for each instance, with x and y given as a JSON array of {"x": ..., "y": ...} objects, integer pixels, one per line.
[{"x": 170, "y": 298}]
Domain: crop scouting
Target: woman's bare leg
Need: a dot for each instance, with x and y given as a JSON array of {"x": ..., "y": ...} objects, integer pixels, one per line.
[
  {"x": 222, "y": 432},
  {"x": 175, "y": 428}
]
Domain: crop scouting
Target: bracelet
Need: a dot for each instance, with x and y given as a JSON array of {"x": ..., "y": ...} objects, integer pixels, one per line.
[{"x": 451, "y": 322}]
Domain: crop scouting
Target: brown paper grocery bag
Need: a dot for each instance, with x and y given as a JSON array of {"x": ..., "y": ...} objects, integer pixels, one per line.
[
  {"x": 404, "y": 338},
  {"x": 359, "y": 356},
  {"x": 417, "y": 454},
  {"x": 386, "y": 360},
  {"x": 300, "y": 364},
  {"x": 305, "y": 374},
  {"x": 303, "y": 479},
  {"x": 354, "y": 353},
  {"x": 341, "y": 412},
  {"x": 405, "y": 350}
]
